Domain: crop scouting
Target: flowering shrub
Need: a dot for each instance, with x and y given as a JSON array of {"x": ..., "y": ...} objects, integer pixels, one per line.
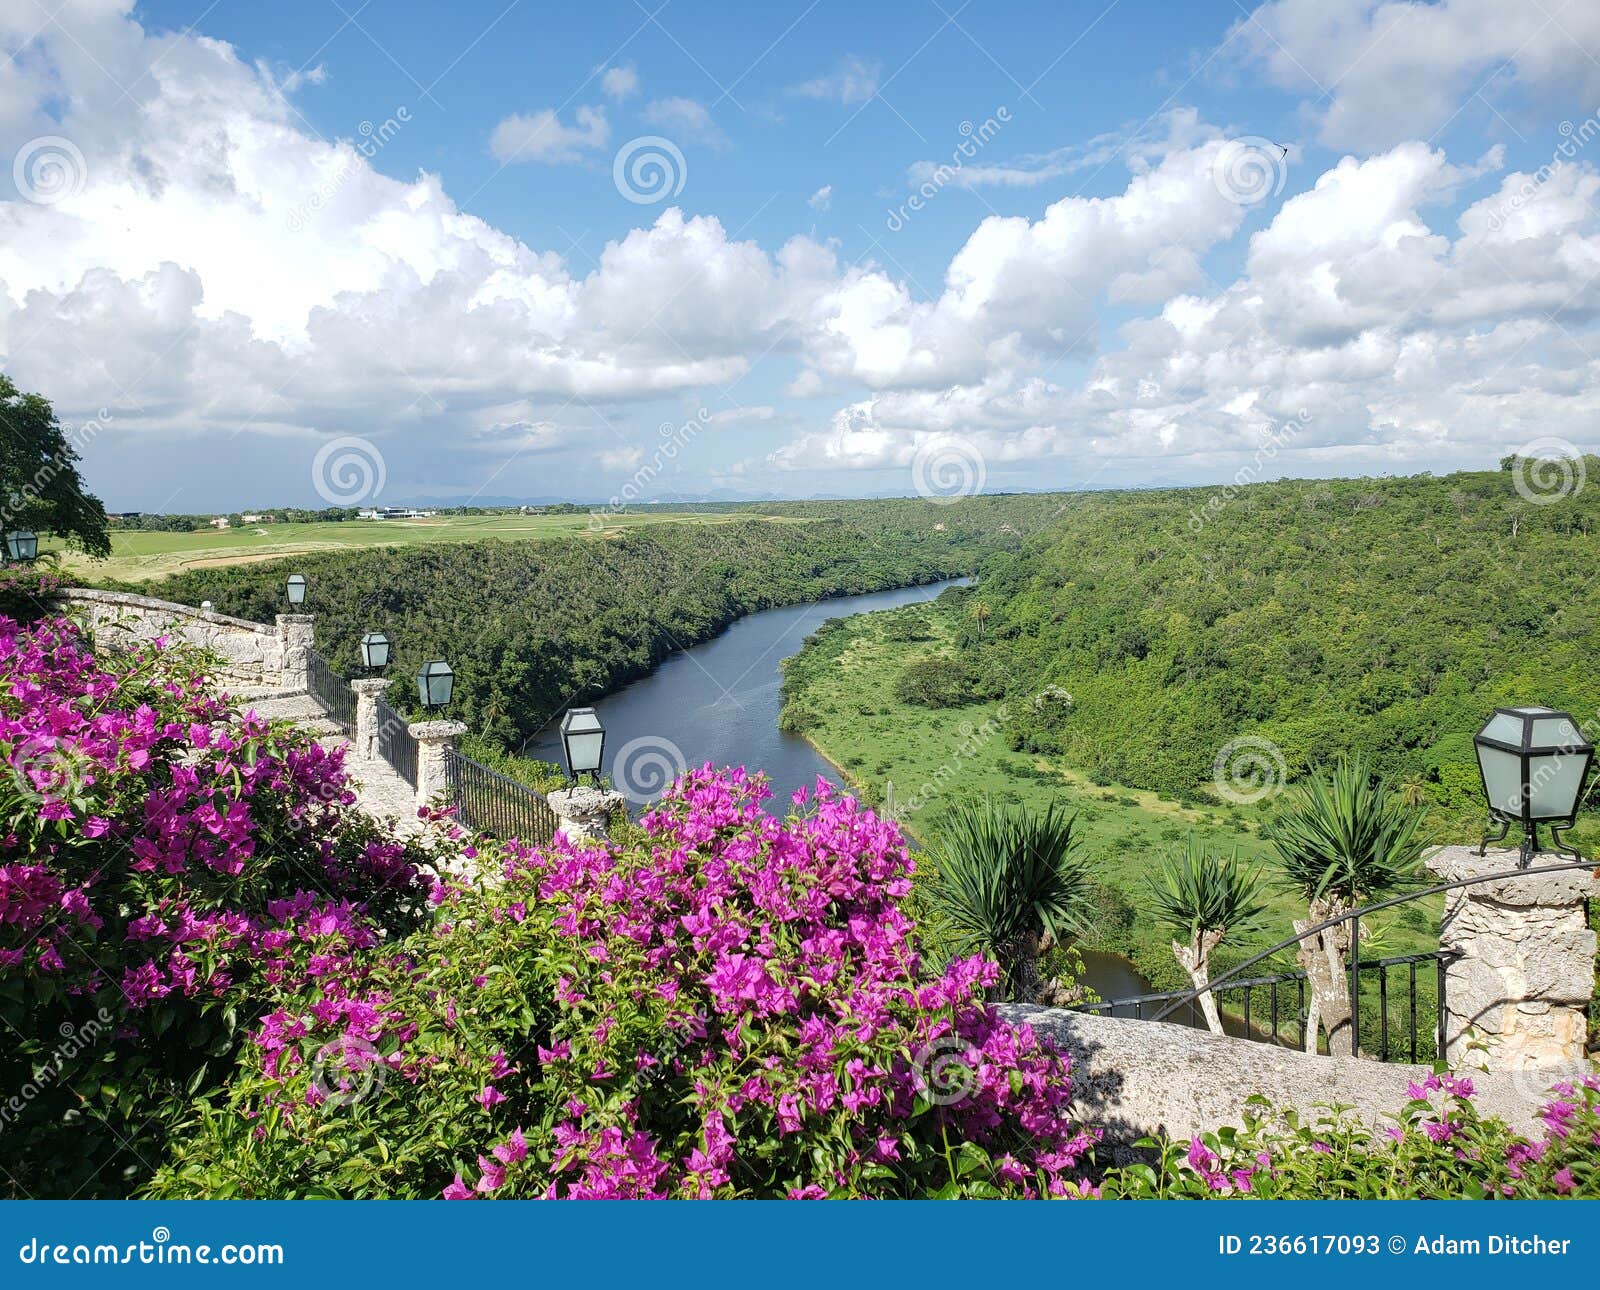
[
  {"x": 162, "y": 860},
  {"x": 733, "y": 1007},
  {"x": 1436, "y": 1148},
  {"x": 27, "y": 591}
]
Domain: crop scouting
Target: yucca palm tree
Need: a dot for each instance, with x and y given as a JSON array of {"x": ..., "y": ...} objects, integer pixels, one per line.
[
  {"x": 1201, "y": 897},
  {"x": 1009, "y": 883},
  {"x": 1343, "y": 838}
]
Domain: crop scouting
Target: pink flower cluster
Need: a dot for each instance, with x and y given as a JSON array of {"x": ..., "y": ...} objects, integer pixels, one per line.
[
  {"x": 156, "y": 845},
  {"x": 791, "y": 1025}
]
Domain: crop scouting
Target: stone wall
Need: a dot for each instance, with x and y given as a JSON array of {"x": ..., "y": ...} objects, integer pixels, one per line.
[
  {"x": 1522, "y": 959},
  {"x": 253, "y": 653},
  {"x": 1133, "y": 1078}
]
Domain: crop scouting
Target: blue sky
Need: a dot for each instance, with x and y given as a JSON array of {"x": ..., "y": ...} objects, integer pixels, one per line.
[{"x": 1184, "y": 243}]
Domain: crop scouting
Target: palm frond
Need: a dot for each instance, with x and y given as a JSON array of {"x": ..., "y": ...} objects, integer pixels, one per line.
[
  {"x": 1003, "y": 872},
  {"x": 1345, "y": 834},
  {"x": 1194, "y": 891}
]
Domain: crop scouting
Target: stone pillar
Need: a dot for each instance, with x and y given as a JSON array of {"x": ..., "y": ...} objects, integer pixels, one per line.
[
  {"x": 584, "y": 811},
  {"x": 1517, "y": 996},
  {"x": 369, "y": 689},
  {"x": 433, "y": 739},
  {"x": 296, "y": 636}
]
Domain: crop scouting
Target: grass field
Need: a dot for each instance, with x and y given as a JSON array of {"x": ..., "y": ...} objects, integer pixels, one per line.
[
  {"x": 879, "y": 742},
  {"x": 139, "y": 556}
]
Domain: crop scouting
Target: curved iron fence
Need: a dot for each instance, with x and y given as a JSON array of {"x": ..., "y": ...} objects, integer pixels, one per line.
[
  {"x": 492, "y": 803},
  {"x": 1407, "y": 1015},
  {"x": 1363, "y": 1010}
]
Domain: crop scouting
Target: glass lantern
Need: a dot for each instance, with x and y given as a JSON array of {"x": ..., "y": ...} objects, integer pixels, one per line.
[
  {"x": 583, "y": 739},
  {"x": 435, "y": 682},
  {"x": 1534, "y": 763}
]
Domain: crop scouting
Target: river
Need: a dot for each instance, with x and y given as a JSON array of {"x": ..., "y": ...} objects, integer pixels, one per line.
[{"x": 719, "y": 701}]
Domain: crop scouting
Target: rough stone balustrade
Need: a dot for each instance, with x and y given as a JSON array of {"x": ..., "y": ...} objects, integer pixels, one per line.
[{"x": 252, "y": 653}]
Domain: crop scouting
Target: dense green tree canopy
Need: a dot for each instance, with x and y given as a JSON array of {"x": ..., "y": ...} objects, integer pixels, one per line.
[{"x": 39, "y": 484}]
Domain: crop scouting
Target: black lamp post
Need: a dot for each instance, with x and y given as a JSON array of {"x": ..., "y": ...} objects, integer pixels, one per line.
[
  {"x": 296, "y": 588},
  {"x": 375, "y": 651},
  {"x": 1534, "y": 763},
  {"x": 23, "y": 545},
  {"x": 435, "y": 682},
  {"x": 583, "y": 739}
]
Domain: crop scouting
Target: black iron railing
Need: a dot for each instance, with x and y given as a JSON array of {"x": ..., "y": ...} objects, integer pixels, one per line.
[
  {"x": 330, "y": 690},
  {"x": 395, "y": 744},
  {"x": 1363, "y": 1007},
  {"x": 491, "y": 803},
  {"x": 1401, "y": 1001}
]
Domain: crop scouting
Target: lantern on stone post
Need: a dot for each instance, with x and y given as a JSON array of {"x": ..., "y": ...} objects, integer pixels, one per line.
[
  {"x": 22, "y": 546},
  {"x": 583, "y": 740},
  {"x": 374, "y": 651},
  {"x": 1534, "y": 763},
  {"x": 435, "y": 683},
  {"x": 295, "y": 588}
]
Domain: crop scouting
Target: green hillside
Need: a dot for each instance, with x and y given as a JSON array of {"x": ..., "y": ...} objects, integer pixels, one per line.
[{"x": 1386, "y": 616}]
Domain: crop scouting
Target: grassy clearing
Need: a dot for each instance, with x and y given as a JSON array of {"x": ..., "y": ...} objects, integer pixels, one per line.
[
  {"x": 140, "y": 556},
  {"x": 914, "y": 759}
]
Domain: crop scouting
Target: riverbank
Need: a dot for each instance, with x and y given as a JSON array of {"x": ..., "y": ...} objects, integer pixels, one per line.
[
  {"x": 840, "y": 694},
  {"x": 718, "y": 700},
  {"x": 534, "y": 627}
]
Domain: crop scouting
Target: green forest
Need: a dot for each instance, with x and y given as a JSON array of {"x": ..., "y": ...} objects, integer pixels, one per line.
[
  {"x": 1105, "y": 663},
  {"x": 531, "y": 626},
  {"x": 1144, "y": 631}
]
